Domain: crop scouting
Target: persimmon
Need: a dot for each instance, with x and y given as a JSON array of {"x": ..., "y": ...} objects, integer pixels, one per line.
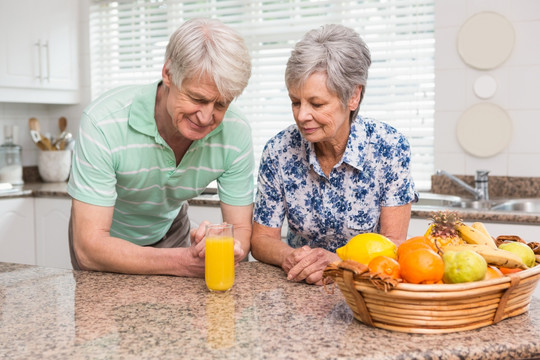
[
  {"x": 414, "y": 243},
  {"x": 493, "y": 273},
  {"x": 509, "y": 270},
  {"x": 385, "y": 265},
  {"x": 421, "y": 266}
]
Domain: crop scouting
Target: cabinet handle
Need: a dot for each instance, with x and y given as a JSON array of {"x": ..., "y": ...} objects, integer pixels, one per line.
[
  {"x": 47, "y": 58},
  {"x": 38, "y": 45}
]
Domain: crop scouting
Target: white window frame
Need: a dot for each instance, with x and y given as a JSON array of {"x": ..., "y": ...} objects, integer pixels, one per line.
[{"x": 128, "y": 39}]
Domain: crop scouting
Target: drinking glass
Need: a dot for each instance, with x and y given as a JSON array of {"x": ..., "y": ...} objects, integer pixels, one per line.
[{"x": 219, "y": 258}]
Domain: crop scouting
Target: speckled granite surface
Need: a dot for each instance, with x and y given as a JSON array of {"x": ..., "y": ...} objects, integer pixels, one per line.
[
  {"x": 49, "y": 313},
  {"x": 499, "y": 186}
]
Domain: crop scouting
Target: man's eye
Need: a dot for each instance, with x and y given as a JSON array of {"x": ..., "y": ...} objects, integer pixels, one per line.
[{"x": 295, "y": 104}]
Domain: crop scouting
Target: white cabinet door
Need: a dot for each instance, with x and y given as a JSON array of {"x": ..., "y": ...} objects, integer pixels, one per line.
[
  {"x": 52, "y": 220},
  {"x": 17, "y": 243},
  {"x": 198, "y": 214},
  {"x": 39, "y": 51},
  {"x": 417, "y": 227}
]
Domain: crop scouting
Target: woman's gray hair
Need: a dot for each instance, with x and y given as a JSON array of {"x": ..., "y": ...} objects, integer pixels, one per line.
[
  {"x": 202, "y": 47},
  {"x": 337, "y": 51}
]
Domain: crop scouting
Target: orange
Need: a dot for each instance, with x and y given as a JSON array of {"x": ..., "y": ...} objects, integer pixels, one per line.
[
  {"x": 417, "y": 242},
  {"x": 508, "y": 270},
  {"x": 385, "y": 265},
  {"x": 421, "y": 266},
  {"x": 493, "y": 273}
]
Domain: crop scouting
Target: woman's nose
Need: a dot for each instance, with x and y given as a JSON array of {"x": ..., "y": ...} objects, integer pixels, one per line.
[{"x": 304, "y": 113}]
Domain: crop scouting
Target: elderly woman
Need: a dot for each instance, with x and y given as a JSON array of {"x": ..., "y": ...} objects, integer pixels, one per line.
[{"x": 334, "y": 174}]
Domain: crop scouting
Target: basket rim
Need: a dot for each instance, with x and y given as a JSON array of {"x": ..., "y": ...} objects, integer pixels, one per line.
[{"x": 531, "y": 272}]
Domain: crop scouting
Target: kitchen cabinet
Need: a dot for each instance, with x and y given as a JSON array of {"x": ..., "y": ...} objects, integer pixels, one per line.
[
  {"x": 34, "y": 231},
  {"x": 198, "y": 214},
  {"x": 17, "y": 241},
  {"x": 52, "y": 221},
  {"x": 39, "y": 51}
]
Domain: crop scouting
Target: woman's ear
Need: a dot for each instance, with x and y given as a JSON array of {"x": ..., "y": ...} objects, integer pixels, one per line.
[{"x": 354, "y": 101}]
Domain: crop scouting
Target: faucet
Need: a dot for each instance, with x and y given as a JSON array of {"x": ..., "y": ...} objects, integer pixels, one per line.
[{"x": 480, "y": 190}]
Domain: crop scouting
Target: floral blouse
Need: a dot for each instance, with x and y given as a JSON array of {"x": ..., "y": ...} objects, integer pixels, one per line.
[{"x": 326, "y": 211}]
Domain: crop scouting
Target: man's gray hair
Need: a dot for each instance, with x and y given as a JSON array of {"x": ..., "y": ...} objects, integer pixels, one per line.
[
  {"x": 202, "y": 47},
  {"x": 337, "y": 51}
]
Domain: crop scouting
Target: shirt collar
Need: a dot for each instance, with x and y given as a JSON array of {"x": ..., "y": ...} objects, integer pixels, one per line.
[
  {"x": 142, "y": 110},
  {"x": 358, "y": 141}
]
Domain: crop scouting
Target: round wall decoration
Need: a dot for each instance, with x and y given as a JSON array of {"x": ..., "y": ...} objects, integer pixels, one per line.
[
  {"x": 484, "y": 130},
  {"x": 485, "y": 40}
]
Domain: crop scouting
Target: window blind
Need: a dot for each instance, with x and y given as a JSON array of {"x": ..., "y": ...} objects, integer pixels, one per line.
[{"x": 128, "y": 40}]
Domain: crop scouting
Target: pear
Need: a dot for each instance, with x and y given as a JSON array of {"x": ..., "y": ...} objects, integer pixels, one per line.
[
  {"x": 463, "y": 266},
  {"x": 522, "y": 250}
]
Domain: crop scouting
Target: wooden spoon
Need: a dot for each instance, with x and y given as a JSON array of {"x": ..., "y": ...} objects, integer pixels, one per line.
[
  {"x": 33, "y": 124},
  {"x": 62, "y": 124}
]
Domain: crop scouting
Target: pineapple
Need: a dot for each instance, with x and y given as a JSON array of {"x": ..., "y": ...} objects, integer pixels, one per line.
[{"x": 442, "y": 230}]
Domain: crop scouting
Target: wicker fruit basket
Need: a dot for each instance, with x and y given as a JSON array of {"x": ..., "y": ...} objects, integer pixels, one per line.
[{"x": 431, "y": 309}]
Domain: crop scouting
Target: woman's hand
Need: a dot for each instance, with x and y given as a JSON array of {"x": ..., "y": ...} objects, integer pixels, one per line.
[{"x": 307, "y": 264}]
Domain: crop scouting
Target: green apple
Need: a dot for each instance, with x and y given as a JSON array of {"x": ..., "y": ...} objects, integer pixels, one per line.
[
  {"x": 522, "y": 250},
  {"x": 463, "y": 266}
]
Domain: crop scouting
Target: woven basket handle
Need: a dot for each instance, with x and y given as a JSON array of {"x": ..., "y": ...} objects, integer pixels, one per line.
[
  {"x": 514, "y": 282},
  {"x": 361, "y": 306}
]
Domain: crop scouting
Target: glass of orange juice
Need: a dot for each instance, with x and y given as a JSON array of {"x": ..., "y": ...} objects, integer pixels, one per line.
[{"x": 219, "y": 258}]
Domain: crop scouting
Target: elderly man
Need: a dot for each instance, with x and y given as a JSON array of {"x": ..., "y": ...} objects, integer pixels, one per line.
[{"x": 143, "y": 151}]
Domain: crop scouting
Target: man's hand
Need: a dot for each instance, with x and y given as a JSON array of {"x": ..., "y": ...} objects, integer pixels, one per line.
[
  {"x": 307, "y": 264},
  {"x": 197, "y": 248}
]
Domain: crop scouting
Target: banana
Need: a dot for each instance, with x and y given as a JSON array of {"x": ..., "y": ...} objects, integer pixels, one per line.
[
  {"x": 481, "y": 227},
  {"x": 474, "y": 236},
  {"x": 493, "y": 256}
]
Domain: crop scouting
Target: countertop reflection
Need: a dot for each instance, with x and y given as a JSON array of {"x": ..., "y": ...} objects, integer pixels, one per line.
[{"x": 61, "y": 314}]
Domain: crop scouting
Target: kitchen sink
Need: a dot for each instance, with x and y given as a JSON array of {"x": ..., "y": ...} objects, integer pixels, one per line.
[
  {"x": 518, "y": 205},
  {"x": 529, "y": 206},
  {"x": 438, "y": 200},
  {"x": 475, "y": 205}
]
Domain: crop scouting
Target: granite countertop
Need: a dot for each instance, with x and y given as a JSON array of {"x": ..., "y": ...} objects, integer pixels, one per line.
[
  {"x": 41, "y": 189},
  {"x": 63, "y": 314}
]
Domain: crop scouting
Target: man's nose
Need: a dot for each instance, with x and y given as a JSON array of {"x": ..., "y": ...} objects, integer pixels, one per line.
[{"x": 205, "y": 114}]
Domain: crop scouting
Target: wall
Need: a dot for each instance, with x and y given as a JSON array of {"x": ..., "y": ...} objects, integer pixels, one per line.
[
  {"x": 517, "y": 80},
  {"x": 19, "y": 113}
]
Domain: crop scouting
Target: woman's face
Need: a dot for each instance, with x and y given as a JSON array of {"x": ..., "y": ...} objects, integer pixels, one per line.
[{"x": 319, "y": 114}]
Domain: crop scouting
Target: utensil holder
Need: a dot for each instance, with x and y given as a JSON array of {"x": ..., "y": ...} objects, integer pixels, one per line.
[{"x": 54, "y": 166}]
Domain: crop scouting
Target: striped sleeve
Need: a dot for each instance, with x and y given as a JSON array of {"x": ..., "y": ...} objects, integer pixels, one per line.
[{"x": 92, "y": 177}]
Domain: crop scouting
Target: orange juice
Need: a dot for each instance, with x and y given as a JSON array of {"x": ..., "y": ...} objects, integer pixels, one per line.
[{"x": 219, "y": 263}]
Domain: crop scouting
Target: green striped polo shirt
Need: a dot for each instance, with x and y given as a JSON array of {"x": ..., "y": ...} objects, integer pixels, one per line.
[{"x": 121, "y": 160}]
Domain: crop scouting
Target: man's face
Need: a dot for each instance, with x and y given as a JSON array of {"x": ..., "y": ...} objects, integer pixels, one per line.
[{"x": 196, "y": 108}]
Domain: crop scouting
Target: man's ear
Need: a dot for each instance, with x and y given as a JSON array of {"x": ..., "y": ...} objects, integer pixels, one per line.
[
  {"x": 166, "y": 75},
  {"x": 354, "y": 101}
]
